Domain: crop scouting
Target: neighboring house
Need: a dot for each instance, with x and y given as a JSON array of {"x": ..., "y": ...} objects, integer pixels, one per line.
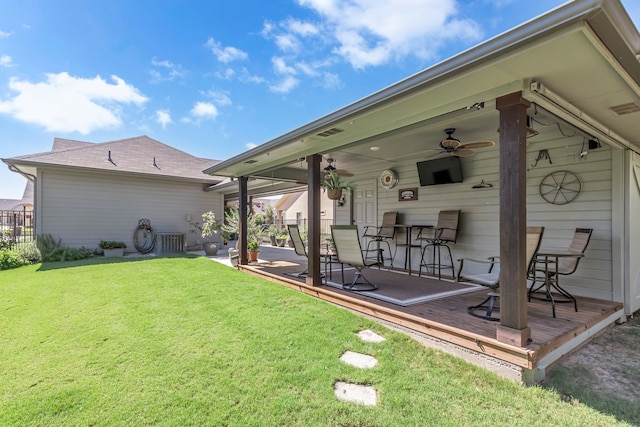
[
  {"x": 559, "y": 93},
  {"x": 86, "y": 192},
  {"x": 293, "y": 208}
]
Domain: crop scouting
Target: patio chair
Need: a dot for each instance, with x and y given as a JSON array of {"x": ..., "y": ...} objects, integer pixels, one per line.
[
  {"x": 381, "y": 235},
  {"x": 298, "y": 245},
  {"x": 349, "y": 251},
  {"x": 549, "y": 265},
  {"x": 491, "y": 279},
  {"x": 445, "y": 232}
]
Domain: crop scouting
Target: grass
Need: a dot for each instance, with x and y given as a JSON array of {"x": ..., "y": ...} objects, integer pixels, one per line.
[
  {"x": 605, "y": 374},
  {"x": 186, "y": 341}
]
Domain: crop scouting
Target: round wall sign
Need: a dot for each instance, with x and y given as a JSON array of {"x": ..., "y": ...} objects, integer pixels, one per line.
[{"x": 389, "y": 178}]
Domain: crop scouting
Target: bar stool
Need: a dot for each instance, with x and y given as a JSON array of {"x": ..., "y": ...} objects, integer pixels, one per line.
[
  {"x": 380, "y": 236},
  {"x": 445, "y": 232}
]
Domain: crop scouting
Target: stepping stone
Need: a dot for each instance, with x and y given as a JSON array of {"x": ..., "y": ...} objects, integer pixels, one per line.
[
  {"x": 359, "y": 360},
  {"x": 370, "y": 336},
  {"x": 362, "y": 394}
]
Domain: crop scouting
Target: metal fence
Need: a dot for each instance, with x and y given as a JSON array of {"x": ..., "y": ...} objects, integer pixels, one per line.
[{"x": 17, "y": 226}]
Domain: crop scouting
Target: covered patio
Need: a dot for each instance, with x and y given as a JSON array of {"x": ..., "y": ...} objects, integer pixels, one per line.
[{"x": 556, "y": 96}]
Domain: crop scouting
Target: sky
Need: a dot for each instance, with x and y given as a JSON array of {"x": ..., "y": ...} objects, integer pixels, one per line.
[{"x": 216, "y": 78}]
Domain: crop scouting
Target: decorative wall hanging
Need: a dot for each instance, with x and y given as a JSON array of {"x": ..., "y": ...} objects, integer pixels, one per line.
[
  {"x": 560, "y": 187},
  {"x": 542, "y": 155},
  {"x": 144, "y": 236},
  {"x": 406, "y": 194},
  {"x": 388, "y": 178},
  {"x": 482, "y": 184}
]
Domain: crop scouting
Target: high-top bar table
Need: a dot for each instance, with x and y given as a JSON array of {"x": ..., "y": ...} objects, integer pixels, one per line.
[{"x": 408, "y": 244}]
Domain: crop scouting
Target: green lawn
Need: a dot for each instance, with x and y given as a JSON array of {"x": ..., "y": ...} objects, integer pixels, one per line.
[{"x": 187, "y": 341}]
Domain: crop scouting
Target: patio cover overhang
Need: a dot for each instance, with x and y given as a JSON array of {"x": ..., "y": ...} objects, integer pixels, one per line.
[{"x": 578, "y": 62}]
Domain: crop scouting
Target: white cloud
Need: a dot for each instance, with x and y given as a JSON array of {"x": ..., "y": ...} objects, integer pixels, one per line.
[
  {"x": 204, "y": 111},
  {"x": 250, "y": 145},
  {"x": 172, "y": 71},
  {"x": 226, "y": 54},
  {"x": 247, "y": 77},
  {"x": 286, "y": 85},
  {"x": 4, "y": 35},
  {"x": 219, "y": 98},
  {"x": 287, "y": 42},
  {"x": 373, "y": 32},
  {"x": 302, "y": 28},
  {"x": 280, "y": 66},
  {"x": 163, "y": 117},
  {"x": 64, "y": 103},
  {"x": 6, "y": 61}
]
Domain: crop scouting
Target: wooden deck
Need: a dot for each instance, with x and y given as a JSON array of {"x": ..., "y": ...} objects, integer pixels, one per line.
[{"x": 446, "y": 319}]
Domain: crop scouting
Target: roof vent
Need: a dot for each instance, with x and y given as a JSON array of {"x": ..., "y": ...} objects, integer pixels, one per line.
[
  {"x": 628, "y": 108},
  {"x": 330, "y": 132},
  {"x": 250, "y": 162}
]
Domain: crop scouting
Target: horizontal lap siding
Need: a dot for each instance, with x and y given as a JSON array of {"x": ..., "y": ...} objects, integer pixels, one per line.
[
  {"x": 83, "y": 209},
  {"x": 479, "y": 227}
]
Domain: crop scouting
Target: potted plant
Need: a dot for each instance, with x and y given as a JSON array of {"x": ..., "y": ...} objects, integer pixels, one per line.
[
  {"x": 273, "y": 233},
  {"x": 252, "y": 250},
  {"x": 209, "y": 228},
  {"x": 333, "y": 185},
  {"x": 111, "y": 248},
  {"x": 281, "y": 239}
]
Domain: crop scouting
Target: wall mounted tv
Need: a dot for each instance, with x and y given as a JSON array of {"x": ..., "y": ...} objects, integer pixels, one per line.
[{"x": 445, "y": 170}]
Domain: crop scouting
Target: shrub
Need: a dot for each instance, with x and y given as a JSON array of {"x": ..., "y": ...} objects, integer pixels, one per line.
[
  {"x": 11, "y": 259},
  {"x": 30, "y": 252},
  {"x": 52, "y": 251},
  {"x": 111, "y": 244}
]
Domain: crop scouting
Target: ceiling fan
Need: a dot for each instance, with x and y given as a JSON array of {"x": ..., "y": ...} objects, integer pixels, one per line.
[
  {"x": 454, "y": 147},
  {"x": 332, "y": 167}
]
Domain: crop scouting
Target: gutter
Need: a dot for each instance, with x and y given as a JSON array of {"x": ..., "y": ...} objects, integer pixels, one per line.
[{"x": 564, "y": 15}]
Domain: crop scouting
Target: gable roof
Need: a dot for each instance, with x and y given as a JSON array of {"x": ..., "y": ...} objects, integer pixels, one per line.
[{"x": 138, "y": 155}]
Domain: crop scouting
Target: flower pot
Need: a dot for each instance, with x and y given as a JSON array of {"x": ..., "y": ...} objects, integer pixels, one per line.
[
  {"x": 112, "y": 253},
  {"x": 281, "y": 242},
  {"x": 334, "y": 193},
  {"x": 273, "y": 240},
  {"x": 210, "y": 248},
  {"x": 253, "y": 256}
]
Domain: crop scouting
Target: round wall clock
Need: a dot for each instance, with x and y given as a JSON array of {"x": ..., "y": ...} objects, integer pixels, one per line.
[
  {"x": 560, "y": 187},
  {"x": 389, "y": 178}
]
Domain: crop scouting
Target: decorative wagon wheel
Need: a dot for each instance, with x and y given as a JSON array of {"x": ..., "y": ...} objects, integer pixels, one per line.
[
  {"x": 144, "y": 236},
  {"x": 560, "y": 187}
]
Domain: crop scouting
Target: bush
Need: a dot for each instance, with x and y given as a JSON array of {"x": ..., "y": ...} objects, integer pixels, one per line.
[
  {"x": 64, "y": 253},
  {"x": 30, "y": 252},
  {"x": 11, "y": 259},
  {"x": 51, "y": 251}
]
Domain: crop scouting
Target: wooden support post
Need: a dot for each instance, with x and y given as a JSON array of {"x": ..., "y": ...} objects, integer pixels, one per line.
[
  {"x": 513, "y": 327},
  {"x": 242, "y": 212},
  {"x": 313, "y": 236}
]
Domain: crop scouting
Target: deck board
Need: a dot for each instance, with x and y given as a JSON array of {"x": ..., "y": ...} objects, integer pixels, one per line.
[{"x": 447, "y": 318}]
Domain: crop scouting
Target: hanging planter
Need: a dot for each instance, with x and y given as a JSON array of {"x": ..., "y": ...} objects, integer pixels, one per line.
[
  {"x": 333, "y": 185},
  {"x": 334, "y": 193}
]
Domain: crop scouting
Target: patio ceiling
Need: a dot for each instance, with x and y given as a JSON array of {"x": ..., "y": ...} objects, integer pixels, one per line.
[{"x": 583, "y": 52}]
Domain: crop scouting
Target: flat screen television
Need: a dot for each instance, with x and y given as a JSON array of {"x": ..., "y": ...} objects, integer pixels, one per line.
[{"x": 445, "y": 170}]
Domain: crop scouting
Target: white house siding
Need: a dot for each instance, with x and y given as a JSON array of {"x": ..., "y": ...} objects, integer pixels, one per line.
[
  {"x": 83, "y": 208},
  {"x": 479, "y": 226},
  {"x": 301, "y": 206}
]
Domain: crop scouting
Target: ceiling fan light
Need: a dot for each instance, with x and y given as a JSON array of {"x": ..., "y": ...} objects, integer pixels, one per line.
[
  {"x": 329, "y": 168},
  {"x": 450, "y": 143}
]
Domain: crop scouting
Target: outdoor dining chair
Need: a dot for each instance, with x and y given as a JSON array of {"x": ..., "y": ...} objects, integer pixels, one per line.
[
  {"x": 349, "y": 251},
  {"x": 549, "y": 265},
  {"x": 491, "y": 279},
  {"x": 298, "y": 245}
]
